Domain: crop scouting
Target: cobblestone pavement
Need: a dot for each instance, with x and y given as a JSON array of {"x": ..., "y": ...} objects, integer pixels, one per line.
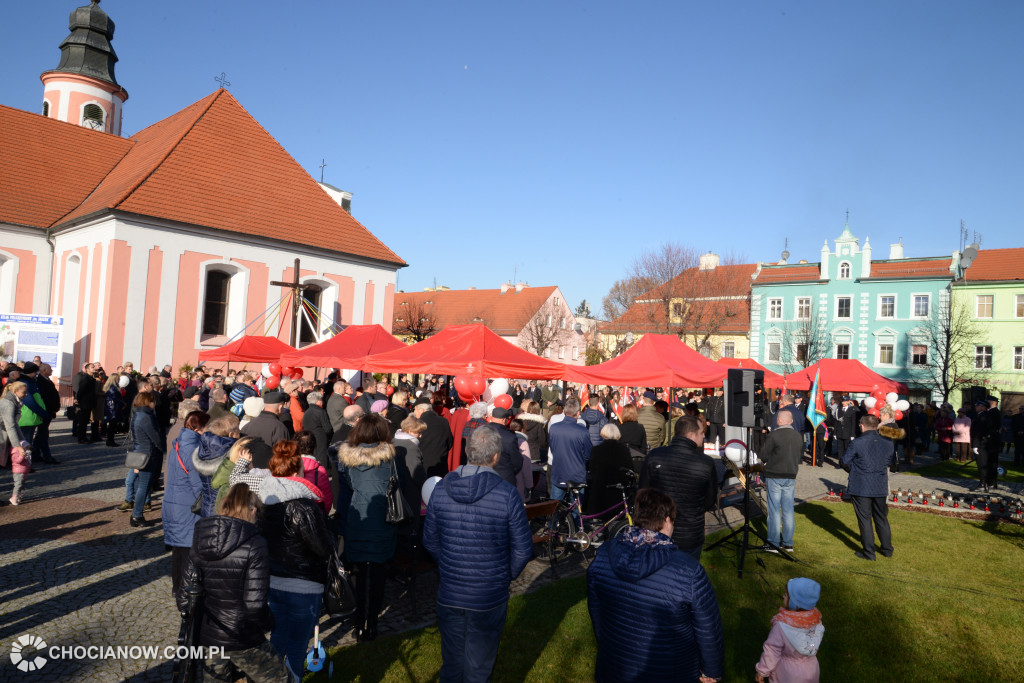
[{"x": 73, "y": 573}]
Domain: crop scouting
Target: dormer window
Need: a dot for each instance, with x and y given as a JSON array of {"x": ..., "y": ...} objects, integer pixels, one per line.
[{"x": 844, "y": 270}]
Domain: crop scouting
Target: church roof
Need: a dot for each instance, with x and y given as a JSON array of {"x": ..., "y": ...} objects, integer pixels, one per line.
[{"x": 210, "y": 165}]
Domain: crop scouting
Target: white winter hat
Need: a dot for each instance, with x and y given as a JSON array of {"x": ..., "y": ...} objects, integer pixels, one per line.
[{"x": 253, "y": 406}]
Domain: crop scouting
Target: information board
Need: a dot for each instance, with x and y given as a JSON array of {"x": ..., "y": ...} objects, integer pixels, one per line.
[{"x": 23, "y": 337}]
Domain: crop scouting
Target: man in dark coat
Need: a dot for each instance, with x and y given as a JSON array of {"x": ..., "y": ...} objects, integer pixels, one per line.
[
  {"x": 337, "y": 403},
  {"x": 218, "y": 401},
  {"x": 476, "y": 529},
  {"x": 436, "y": 441},
  {"x": 315, "y": 420},
  {"x": 714, "y": 412},
  {"x": 267, "y": 426},
  {"x": 987, "y": 441},
  {"x": 569, "y": 447},
  {"x": 84, "y": 388},
  {"x": 51, "y": 401},
  {"x": 782, "y": 452},
  {"x": 846, "y": 424},
  {"x": 644, "y": 591},
  {"x": 868, "y": 459},
  {"x": 689, "y": 477}
]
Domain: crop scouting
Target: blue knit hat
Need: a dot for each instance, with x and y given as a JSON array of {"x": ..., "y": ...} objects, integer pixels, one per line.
[
  {"x": 241, "y": 392},
  {"x": 803, "y": 593}
]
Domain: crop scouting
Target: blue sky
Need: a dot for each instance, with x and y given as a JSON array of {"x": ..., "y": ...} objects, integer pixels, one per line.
[{"x": 554, "y": 141}]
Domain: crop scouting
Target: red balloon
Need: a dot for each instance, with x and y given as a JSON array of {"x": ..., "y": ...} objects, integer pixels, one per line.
[
  {"x": 468, "y": 399},
  {"x": 462, "y": 386},
  {"x": 296, "y": 373},
  {"x": 503, "y": 401},
  {"x": 275, "y": 368},
  {"x": 478, "y": 385},
  {"x": 272, "y": 382},
  {"x": 287, "y": 370},
  {"x": 898, "y": 414},
  {"x": 874, "y": 411}
]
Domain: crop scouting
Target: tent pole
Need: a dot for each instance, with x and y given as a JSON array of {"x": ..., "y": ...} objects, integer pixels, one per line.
[{"x": 814, "y": 446}]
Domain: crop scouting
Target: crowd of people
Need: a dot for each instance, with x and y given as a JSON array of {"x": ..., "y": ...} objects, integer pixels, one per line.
[{"x": 262, "y": 487}]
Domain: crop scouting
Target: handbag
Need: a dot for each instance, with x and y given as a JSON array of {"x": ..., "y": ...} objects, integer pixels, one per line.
[
  {"x": 399, "y": 509},
  {"x": 135, "y": 460},
  {"x": 339, "y": 598},
  {"x": 197, "y": 506}
]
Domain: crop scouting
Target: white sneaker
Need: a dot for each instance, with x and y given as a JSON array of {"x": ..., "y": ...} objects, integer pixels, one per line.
[{"x": 15, "y": 500}]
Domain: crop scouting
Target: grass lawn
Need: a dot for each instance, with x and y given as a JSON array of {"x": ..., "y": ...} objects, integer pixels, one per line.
[
  {"x": 946, "y": 607},
  {"x": 953, "y": 469}
]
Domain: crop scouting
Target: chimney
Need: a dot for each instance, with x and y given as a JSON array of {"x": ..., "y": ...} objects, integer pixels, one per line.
[
  {"x": 709, "y": 261},
  {"x": 896, "y": 250},
  {"x": 505, "y": 287},
  {"x": 520, "y": 286}
]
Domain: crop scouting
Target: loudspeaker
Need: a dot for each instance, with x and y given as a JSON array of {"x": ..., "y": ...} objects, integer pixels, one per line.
[{"x": 742, "y": 407}]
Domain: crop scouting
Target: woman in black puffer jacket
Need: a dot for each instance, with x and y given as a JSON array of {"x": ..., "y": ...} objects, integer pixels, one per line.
[{"x": 229, "y": 563}]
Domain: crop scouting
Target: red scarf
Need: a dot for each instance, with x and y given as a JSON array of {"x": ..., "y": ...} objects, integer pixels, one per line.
[{"x": 798, "y": 618}]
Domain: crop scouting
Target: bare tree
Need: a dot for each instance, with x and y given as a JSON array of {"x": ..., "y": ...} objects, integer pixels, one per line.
[
  {"x": 622, "y": 295},
  {"x": 950, "y": 338},
  {"x": 415, "y": 320},
  {"x": 804, "y": 342},
  {"x": 549, "y": 326}
]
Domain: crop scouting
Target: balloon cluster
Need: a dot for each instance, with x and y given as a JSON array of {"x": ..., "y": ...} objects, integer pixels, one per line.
[
  {"x": 878, "y": 398},
  {"x": 473, "y": 389},
  {"x": 274, "y": 372}
]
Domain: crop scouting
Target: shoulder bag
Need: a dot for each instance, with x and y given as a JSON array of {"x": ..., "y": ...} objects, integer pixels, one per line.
[
  {"x": 339, "y": 598},
  {"x": 399, "y": 509},
  {"x": 197, "y": 506},
  {"x": 135, "y": 460}
]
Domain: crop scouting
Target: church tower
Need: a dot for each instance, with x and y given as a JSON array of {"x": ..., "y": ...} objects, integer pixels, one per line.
[{"x": 82, "y": 89}]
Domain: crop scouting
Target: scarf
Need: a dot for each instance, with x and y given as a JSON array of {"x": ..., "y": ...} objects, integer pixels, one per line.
[
  {"x": 798, "y": 618},
  {"x": 639, "y": 536}
]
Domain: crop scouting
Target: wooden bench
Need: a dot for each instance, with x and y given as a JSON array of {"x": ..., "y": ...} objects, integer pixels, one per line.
[{"x": 543, "y": 509}]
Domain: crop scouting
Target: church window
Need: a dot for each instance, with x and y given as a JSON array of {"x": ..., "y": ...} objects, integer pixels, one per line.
[
  {"x": 215, "y": 303},
  {"x": 844, "y": 271},
  {"x": 46, "y": 108},
  {"x": 92, "y": 115},
  {"x": 308, "y": 333}
]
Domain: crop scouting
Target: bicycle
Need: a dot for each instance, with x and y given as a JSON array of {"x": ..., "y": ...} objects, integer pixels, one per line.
[{"x": 572, "y": 531}]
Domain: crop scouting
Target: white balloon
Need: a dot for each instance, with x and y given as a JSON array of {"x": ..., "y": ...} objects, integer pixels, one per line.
[
  {"x": 892, "y": 397},
  {"x": 265, "y": 371},
  {"x": 870, "y": 402},
  {"x": 499, "y": 387},
  {"x": 735, "y": 452},
  {"x": 428, "y": 488},
  {"x": 123, "y": 381},
  {"x": 488, "y": 395},
  {"x": 902, "y": 404}
]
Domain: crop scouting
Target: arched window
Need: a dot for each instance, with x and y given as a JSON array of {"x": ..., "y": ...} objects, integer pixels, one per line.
[
  {"x": 92, "y": 116},
  {"x": 844, "y": 270},
  {"x": 309, "y": 334},
  {"x": 215, "y": 302},
  {"x": 46, "y": 108}
]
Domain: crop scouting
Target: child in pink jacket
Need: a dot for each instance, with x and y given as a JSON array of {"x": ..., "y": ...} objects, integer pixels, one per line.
[
  {"x": 790, "y": 653},
  {"x": 21, "y": 464}
]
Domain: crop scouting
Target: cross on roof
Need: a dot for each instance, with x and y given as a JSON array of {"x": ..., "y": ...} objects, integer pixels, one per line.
[{"x": 223, "y": 80}]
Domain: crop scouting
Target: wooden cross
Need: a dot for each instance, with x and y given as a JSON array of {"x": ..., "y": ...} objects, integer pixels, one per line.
[{"x": 297, "y": 288}]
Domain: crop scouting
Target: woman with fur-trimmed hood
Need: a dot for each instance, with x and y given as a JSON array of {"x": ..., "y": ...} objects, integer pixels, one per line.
[
  {"x": 364, "y": 470},
  {"x": 888, "y": 429}
]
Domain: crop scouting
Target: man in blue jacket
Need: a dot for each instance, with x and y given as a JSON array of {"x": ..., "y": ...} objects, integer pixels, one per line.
[
  {"x": 654, "y": 610},
  {"x": 569, "y": 446},
  {"x": 867, "y": 459},
  {"x": 476, "y": 529}
]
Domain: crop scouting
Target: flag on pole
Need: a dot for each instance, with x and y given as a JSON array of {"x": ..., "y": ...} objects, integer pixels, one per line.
[
  {"x": 816, "y": 409},
  {"x": 585, "y": 395}
]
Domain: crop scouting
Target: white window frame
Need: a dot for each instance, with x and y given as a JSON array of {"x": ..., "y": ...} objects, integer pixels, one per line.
[
  {"x": 991, "y": 306},
  {"x": 238, "y": 290},
  {"x": 895, "y": 302},
  {"x": 771, "y": 303},
  {"x": 1018, "y": 306},
  {"x": 849, "y": 270},
  {"x": 990, "y": 354},
  {"x": 885, "y": 337},
  {"x": 561, "y": 352},
  {"x": 768, "y": 352},
  {"x": 575, "y": 353},
  {"x": 799, "y": 305},
  {"x": 910, "y": 353},
  {"x": 843, "y": 336},
  {"x": 1018, "y": 358},
  {"x": 892, "y": 353},
  {"x": 835, "y": 308},
  {"x": 328, "y": 307},
  {"x": 728, "y": 349},
  {"x": 849, "y": 350},
  {"x": 913, "y": 306}
]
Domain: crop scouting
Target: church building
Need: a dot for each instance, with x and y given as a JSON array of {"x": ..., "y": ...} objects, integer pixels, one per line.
[{"x": 156, "y": 246}]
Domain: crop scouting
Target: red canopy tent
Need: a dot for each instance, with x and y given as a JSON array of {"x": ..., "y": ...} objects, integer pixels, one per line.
[
  {"x": 843, "y": 375},
  {"x": 248, "y": 349},
  {"x": 347, "y": 349},
  {"x": 660, "y": 360},
  {"x": 772, "y": 380},
  {"x": 466, "y": 350}
]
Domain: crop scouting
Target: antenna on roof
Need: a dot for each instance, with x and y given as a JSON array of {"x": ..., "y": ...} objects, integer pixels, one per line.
[
  {"x": 323, "y": 163},
  {"x": 847, "y": 216},
  {"x": 223, "y": 80}
]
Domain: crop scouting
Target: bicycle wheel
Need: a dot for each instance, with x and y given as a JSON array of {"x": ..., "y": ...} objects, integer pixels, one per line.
[
  {"x": 561, "y": 533},
  {"x": 615, "y": 528}
]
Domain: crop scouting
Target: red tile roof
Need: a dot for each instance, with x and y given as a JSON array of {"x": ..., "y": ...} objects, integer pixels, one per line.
[
  {"x": 792, "y": 272},
  {"x": 210, "y": 164},
  {"x": 906, "y": 268},
  {"x": 996, "y": 264},
  {"x": 504, "y": 314},
  {"x": 725, "y": 280},
  {"x": 44, "y": 174}
]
